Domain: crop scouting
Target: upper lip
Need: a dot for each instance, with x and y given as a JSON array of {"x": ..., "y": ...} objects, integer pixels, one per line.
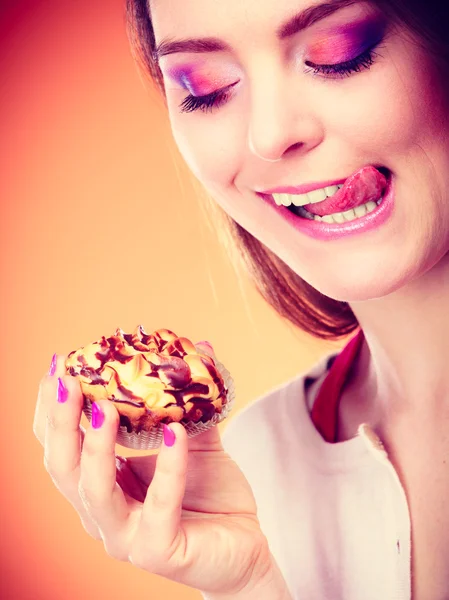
[
  {"x": 310, "y": 187},
  {"x": 302, "y": 189}
]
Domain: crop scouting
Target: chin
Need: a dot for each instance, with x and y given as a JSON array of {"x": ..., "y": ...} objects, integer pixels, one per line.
[{"x": 359, "y": 288}]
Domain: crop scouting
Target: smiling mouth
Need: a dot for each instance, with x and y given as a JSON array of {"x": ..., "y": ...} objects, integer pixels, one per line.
[{"x": 359, "y": 195}]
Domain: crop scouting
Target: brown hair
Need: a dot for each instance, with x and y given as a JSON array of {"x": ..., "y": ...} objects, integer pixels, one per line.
[{"x": 290, "y": 296}]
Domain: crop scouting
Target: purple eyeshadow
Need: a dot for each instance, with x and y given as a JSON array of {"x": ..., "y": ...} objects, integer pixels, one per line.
[
  {"x": 203, "y": 77},
  {"x": 345, "y": 42},
  {"x": 333, "y": 45},
  {"x": 193, "y": 80}
]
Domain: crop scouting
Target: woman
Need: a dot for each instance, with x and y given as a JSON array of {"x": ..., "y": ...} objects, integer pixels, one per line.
[{"x": 322, "y": 132}]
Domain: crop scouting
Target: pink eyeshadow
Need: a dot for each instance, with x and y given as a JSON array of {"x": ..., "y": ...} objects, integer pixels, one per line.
[
  {"x": 346, "y": 42},
  {"x": 198, "y": 80}
]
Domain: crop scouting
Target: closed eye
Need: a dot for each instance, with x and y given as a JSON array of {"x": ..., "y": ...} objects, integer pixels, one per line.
[
  {"x": 216, "y": 99},
  {"x": 207, "y": 102}
]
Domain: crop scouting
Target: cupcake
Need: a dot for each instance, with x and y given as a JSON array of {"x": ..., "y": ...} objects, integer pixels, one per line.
[{"x": 153, "y": 379}]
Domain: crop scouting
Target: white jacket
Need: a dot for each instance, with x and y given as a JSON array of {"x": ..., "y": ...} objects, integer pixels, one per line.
[{"x": 335, "y": 515}]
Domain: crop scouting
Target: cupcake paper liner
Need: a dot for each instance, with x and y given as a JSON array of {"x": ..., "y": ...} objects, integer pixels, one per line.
[{"x": 152, "y": 439}]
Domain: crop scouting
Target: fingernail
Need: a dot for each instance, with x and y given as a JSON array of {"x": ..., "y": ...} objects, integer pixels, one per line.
[
  {"x": 169, "y": 436},
  {"x": 207, "y": 345},
  {"x": 97, "y": 416},
  {"x": 63, "y": 392},
  {"x": 52, "y": 369}
]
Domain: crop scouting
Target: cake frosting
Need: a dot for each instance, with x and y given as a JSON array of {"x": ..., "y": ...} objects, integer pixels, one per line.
[{"x": 151, "y": 378}]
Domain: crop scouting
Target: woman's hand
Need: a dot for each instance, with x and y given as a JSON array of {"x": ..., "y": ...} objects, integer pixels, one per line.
[{"x": 187, "y": 514}]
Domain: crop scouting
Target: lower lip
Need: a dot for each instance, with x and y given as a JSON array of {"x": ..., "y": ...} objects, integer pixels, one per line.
[{"x": 333, "y": 231}]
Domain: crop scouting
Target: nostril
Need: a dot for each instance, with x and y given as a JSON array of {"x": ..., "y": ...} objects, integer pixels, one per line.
[{"x": 295, "y": 146}]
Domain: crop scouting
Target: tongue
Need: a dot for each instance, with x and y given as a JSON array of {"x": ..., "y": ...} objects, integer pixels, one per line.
[{"x": 367, "y": 184}]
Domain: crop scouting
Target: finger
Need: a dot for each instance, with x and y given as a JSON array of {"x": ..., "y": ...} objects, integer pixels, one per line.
[
  {"x": 47, "y": 395},
  {"x": 141, "y": 469},
  {"x": 63, "y": 441},
  {"x": 102, "y": 496},
  {"x": 159, "y": 533}
]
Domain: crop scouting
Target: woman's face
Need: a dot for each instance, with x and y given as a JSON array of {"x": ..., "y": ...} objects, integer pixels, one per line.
[{"x": 286, "y": 119}]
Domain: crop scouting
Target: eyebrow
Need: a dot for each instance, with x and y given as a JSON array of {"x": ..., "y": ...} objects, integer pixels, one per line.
[{"x": 294, "y": 25}]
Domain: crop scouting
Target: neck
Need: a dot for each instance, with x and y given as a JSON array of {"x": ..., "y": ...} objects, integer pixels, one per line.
[{"x": 403, "y": 367}]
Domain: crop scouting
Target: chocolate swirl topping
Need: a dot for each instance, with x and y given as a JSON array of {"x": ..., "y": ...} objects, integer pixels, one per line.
[{"x": 151, "y": 378}]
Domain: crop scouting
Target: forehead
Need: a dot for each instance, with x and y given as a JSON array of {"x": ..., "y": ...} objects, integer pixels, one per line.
[{"x": 232, "y": 20}]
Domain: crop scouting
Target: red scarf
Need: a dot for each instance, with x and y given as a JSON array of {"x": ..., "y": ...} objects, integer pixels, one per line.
[{"x": 325, "y": 409}]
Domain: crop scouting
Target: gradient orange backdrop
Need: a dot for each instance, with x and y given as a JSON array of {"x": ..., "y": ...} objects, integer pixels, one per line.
[{"x": 101, "y": 227}]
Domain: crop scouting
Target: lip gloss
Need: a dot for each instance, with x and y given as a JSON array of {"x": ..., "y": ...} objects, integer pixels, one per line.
[{"x": 334, "y": 231}]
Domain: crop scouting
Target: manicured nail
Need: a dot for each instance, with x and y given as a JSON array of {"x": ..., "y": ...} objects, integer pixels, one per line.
[
  {"x": 63, "y": 392},
  {"x": 52, "y": 369},
  {"x": 206, "y": 345},
  {"x": 97, "y": 416},
  {"x": 169, "y": 436}
]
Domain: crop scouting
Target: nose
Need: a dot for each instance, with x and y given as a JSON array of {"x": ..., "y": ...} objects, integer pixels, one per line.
[{"x": 282, "y": 121}]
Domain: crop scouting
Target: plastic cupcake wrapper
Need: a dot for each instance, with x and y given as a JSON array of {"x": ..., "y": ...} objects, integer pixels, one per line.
[{"x": 152, "y": 439}]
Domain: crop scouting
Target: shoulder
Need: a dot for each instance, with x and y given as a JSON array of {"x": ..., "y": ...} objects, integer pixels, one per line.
[{"x": 267, "y": 420}]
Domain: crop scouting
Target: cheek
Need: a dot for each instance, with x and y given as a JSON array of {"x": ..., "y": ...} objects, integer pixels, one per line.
[
  {"x": 402, "y": 109},
  {"x": 431, "y": 107},
  {"x": 384, "y": 116},
  {"x": 210, "y": 146}
]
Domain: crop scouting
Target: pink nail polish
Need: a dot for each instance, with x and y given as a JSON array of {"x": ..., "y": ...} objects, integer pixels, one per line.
[
  {"x": 63, "y": 392},
  {"x": 52, "y": 369},
  {"x": 97, "y": 416},
  {"x": 169, "y": 436}
]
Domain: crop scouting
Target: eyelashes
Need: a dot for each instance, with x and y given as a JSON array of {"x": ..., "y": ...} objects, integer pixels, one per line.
[
  {"x": 216, "y": 99},
  {"x": 344, "y": 69},
  {"x": 205, "y": 103}
]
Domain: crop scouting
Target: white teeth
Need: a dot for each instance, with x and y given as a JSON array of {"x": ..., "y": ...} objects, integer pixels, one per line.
[
  {"x": 360, "y": 211},
  {"x": 338, "y": 218},
  {"x": 317, "y": 196},
  {"x": 298, "y": 200},
  {"x": 342, "y": 217},
  {"x": 349, "y": 215},
  {"x": 282, "y": 199},
  {"x": 303, "y": 199},
  {"x": 333, "y": 189}
]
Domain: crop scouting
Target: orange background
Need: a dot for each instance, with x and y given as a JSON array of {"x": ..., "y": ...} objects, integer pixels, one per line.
[{"x": 101, "y": 226}]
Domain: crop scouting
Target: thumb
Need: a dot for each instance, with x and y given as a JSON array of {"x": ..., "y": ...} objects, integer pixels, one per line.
[{"x": 161, "y": 512}]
